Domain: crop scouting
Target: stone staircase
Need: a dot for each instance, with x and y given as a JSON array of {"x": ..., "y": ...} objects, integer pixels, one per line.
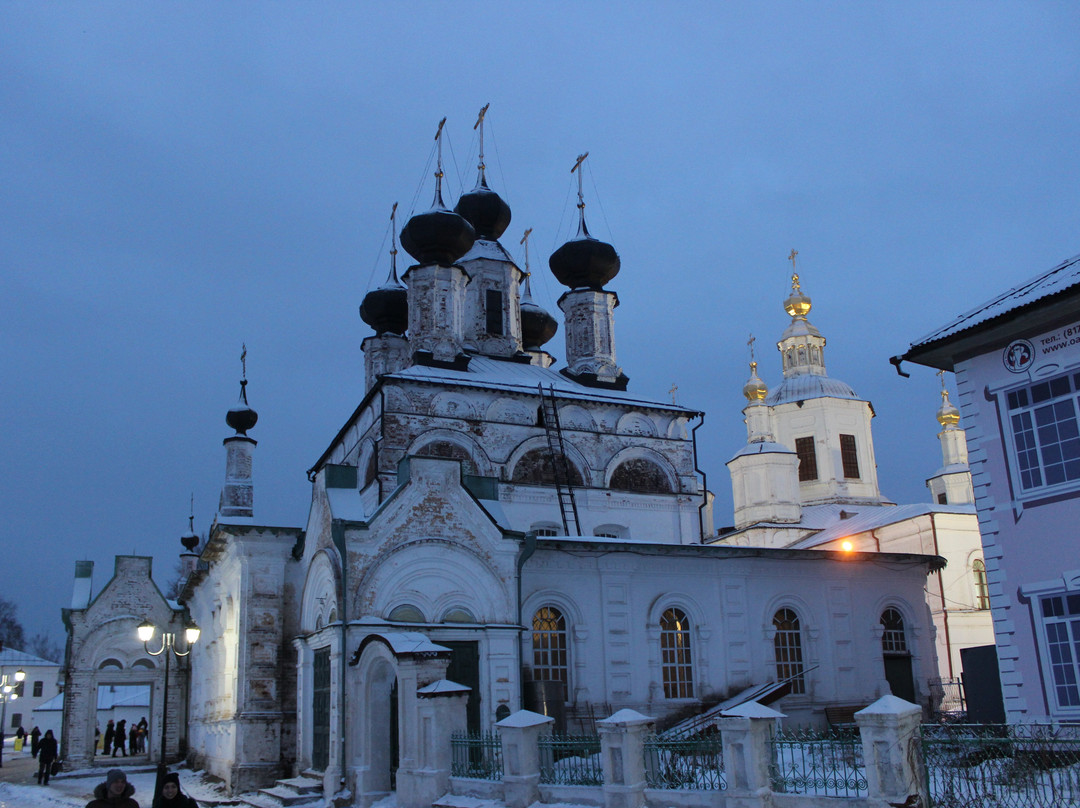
[{"x": 291, "y": 793}]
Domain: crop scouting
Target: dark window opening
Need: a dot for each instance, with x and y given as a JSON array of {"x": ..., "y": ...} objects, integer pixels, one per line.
[
  {"x": 640, "y": 475},
  {"x": 804, "y": 449},
  {"x": 494, "y": 304},
  {"x": 535, "y": 468},
  {"x": 942, "y": 499},
  {"x": 38, "y": 687},
  {"x": 849, "y": 457},
  {"x": 450, "y": 451}
]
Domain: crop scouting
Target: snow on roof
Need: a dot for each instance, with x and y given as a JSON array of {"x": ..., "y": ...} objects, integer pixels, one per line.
[
  {"x": 874, "y": 517},
  {"x": 752, "y": 709},
  {"x": 524, "y": 718},
  {"x": 1062, "y": 277},
  {"x": 410, "y": 642},
  {"x": 123, "y": 696},
  {"x": 494, "y": 374},
  {"x": 762, "y": 447},
  {"x": 9, "y": 656},
  {"x": 346, "y": 503},
  {"x": 55, "y": 703},
  {"x": 482, "y": 248},
  {"x": 442, "y": 687},
  {"x": 806, "y": 386}
]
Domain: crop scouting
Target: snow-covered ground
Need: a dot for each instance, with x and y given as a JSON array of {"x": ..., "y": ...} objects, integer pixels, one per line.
[{"x": 76, "y": 789}]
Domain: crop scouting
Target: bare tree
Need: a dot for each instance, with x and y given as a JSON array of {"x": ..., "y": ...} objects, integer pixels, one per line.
[
  {"x": 41, "y": 645},
  {"x": 11, "y": 630}
]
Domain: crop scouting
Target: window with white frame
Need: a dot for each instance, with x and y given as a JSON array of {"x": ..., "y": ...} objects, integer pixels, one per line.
[
  {"x": 676, "y": 663},
  {"x": 549, "y": 648},
  {"x": 1043, "y": 436},
  {"x": 787, "y": 646},
  {"x": 1061, "y": 624},
  {"x": 893, "y": 638}
]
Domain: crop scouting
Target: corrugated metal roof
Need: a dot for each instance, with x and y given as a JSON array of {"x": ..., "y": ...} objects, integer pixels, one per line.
[
  {"x": 1062, "y": 277},
  {"x": 495, "y": 374},
  {"x": 875, "y": 517},
  {"x": 9, "y": 656}
]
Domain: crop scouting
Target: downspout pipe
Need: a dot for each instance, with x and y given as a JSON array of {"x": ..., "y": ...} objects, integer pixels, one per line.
[
  {"x": 704, "y": 480},
  {"x": 528, "y": 547},
  {"x": 337, "y": 533},
  {"x": 941, "y": 589}
]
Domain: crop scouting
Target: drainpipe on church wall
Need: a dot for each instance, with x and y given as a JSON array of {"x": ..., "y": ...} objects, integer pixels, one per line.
[
  {"x": 941, "y": 589},
  {"x": 704, "y": 480},
  {"x": 528, "y": 547}
]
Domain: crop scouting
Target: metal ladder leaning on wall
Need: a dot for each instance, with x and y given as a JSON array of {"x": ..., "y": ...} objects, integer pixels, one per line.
[{"x": 559, "y": 463}]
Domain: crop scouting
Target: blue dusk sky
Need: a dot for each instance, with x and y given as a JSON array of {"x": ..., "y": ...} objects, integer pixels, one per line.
[{"x": 177, "y": 179}]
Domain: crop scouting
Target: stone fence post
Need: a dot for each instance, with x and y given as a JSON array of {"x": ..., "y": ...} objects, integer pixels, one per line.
[
  {"x": 622, "y": 744},
  {"x": 745, "y": 731},
  {"x": 891, "y": 749},
  {"x": 520, "y": 734}
]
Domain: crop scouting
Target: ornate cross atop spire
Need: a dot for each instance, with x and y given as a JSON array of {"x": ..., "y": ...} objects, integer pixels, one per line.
[
  {"x": 191, "y": 516},
  {"x": 580, "y": 195},
  {"x": 243, "y": 361},
  {"x": 393, "y": 245},
  {"x": 750, "y": 342},
  {"x": 438, "y": 163},
  {"x": 674, "y": 389},
  {"x": 480, "y": 125},
  {"x": 791, "y": 258}
]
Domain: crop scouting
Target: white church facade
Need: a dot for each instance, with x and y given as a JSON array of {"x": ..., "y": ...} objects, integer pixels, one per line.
[{"x": 488, "y": 524}]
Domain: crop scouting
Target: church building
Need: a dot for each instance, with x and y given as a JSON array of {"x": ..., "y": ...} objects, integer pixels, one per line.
[{"x": 488, "y": 522}]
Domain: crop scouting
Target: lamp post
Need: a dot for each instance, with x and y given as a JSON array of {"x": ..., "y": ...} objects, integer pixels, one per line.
[
  {"x": 8, "y": 692},
  {"x": 168, "y": 643}
]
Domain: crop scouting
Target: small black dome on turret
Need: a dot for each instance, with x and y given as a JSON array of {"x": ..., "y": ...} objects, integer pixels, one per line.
[
  {"x": 242, "y": 417},
  {"x": 584, "y": 261},
  {"x": 537, "y": 325},
  {"x": 386, "y": 309},
  {"x": 190, "y": 541},
  {"x": 438, "y": 236},
  {"x": 485, "y": 210}
]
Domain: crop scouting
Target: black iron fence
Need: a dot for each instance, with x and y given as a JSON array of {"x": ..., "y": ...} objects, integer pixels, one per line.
[{"x": 477, "y": 755}]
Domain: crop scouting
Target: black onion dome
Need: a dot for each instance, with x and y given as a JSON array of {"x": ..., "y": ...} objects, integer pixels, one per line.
[
  {"x": 242, "y": 417},
  {"x": 485, "y": 210},
  {"x": 190, "y": 541},
  {"x": 438, "y": 236},
  {"x": 537, "y": 326},
  {"x": 386, "y": 309},
  {"x": 584, "y": 261}
]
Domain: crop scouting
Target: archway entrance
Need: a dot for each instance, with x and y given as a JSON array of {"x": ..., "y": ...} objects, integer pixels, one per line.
[
  {"x": 122, "y": 726},
  {"x": 320, "y": 710}
]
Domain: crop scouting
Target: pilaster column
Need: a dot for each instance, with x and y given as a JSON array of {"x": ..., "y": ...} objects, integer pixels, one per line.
[
  {"x": 745, "y": 731},
  {"x": 889, "y": 729},
  {"x": 520, "y": 734}
]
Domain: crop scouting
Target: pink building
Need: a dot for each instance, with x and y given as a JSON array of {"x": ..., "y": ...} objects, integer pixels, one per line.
[{"x": 1017, "y": 365}]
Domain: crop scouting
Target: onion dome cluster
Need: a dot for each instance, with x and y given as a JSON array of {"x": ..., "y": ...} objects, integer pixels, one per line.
[
  {"x": 437, "y": 236},
  {"x": 584, "y": 262}
]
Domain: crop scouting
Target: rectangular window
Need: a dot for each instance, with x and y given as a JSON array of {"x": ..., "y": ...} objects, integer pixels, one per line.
[
  {"x": 494, "y": 311},
  {"x": 38, "y": 686},
  {"x": 804, "y": 448},
  {"x": 1045, "y": 439},
  {"x": 942, "y": 499},
  {"x": 16, "y": 720},
  {"x": 20, "y": 689},
  {"x": 1061, "y": 620},
  {"x": 849, "y": 457}
]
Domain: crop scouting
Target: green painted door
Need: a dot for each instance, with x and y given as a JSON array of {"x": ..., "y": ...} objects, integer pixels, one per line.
[{"x": 320, "y": 710}]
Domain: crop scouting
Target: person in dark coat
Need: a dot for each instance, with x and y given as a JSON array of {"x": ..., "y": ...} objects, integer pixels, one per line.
[
  {"x": 35, "y": 741},
  {"x": 20, "y": 733},
  {"x": 120, "y": 738},
  {"x": 48, "y": 751},
  {"x": 170, "y": 796},
  {"x": 110, "y": 731},
  {"x": 115, "y": 792}
]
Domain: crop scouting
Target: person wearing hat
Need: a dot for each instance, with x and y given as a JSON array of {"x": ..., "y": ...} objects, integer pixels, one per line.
[
  {"x": 170, "y": 796},
  {"x": 115, "y": 792}
]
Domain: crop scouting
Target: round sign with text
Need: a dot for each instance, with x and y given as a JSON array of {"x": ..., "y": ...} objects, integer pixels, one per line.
[{"x": 1018, "y": 355}]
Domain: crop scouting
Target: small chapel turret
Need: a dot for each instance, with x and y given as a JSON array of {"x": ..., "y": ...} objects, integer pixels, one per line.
[
  {"x": 238, "y": 493},
  {"x": 951, "y": 484},
  {"x": 386, "y": 309},
  {"x": 585, "y": 264}
]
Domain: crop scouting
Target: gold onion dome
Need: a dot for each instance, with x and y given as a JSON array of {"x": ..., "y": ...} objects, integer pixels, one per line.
[
  {"x": 797, "y": 304},
  {"x": 755, "y": 389},
  {"x": 948, "y": 415}
]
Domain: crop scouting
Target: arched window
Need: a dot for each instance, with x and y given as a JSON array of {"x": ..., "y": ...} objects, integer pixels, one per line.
[
  {"x": 535, "y": 468},
  {"x": 788, "y": 647},
  {"x": 893, "y": 639},
  {"x": 640, "y": 475},
  {"x": 549, "y": 647},
  {"x": 406, "y": 613},
  {"x": 675, "y": 657},
  {"x": 982, "y": 591},
  {"x": 451, "y": 451},
  {"x": 459, "y": 614}
]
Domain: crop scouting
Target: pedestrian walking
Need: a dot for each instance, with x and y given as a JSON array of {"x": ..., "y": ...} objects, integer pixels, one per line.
[
  {"x": 120, "y": 738},
  {"x": 35, "y": 741},
  {"x": 110, "y": 733},
  {"x": 48, "y": 751}
]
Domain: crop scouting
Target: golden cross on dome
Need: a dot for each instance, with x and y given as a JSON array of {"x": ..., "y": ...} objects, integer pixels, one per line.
[
  {"x": 673, "y": 390},
  {"x": 791, "y": 258},
  {"x": 751, "y": 342}
]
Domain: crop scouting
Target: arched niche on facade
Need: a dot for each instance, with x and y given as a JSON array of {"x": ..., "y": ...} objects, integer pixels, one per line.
[
  {"x": 641, "y": 470},
  {"x": 449, "y": 445},
  {"x": 531, "y": 464}
]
